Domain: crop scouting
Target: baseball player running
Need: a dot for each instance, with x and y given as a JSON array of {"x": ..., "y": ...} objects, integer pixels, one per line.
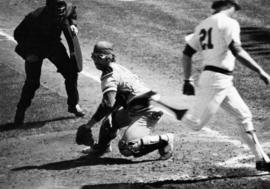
[
  {"x": 119, "y": 87},
  {"x": 218, "y": 39}
]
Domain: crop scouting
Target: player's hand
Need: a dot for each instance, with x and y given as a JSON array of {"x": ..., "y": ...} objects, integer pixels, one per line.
[
  {"x": 265, "y": 77},
  {"x": 74, "y": 29},
  {"x": 84, "y": 136},
  {"x": 188, "y": 88}
]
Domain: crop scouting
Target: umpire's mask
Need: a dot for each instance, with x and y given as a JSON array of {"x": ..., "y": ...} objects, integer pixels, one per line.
[{"x": 58, "y": 8}]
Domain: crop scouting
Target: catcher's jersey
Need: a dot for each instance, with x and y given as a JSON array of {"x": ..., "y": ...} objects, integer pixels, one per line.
[
  {"x": 122, "y": 81},
  {"x": 212, "y": 38}
]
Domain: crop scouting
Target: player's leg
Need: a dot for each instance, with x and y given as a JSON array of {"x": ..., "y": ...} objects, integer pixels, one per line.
[
  {"x": 205, "y": 106},
  {"x": 59, "y": 57},
  {"x": 108, "y": 131},
  {"x": 106, "y": 135},
  {"x": 235, "y": 105},
  {"x": 33, "y": 64},
  {"x": 138, "y": 141}
]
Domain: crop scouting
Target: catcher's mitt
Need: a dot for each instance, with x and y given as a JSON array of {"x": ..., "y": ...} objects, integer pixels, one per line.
[{"x": 84, "y": 136}]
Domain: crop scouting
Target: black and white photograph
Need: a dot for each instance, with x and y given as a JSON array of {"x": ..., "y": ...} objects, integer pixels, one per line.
[{"x": 134, "y": 94}]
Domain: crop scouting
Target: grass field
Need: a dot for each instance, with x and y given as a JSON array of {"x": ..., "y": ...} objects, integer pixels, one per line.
[{"x": 148, "y": 37}]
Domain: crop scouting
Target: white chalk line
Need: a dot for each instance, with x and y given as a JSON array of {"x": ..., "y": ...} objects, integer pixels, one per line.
[
  {"x": 88, "y": 74},
  {"x": 238, "y": 161},
  {"x": 7, "y": 36},
  {"x": 222, "y": 138}
]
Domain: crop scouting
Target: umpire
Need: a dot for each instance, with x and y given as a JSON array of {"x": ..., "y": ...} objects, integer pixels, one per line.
[{"x": 39, "y": 37}]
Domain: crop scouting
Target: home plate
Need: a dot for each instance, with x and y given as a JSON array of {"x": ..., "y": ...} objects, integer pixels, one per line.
[
  {"x": 239, "y": 161},
  {"x": 242, "y": 161}
]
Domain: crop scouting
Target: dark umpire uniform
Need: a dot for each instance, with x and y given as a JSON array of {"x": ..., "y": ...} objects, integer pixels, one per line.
[{"x": 39, "y": 37}]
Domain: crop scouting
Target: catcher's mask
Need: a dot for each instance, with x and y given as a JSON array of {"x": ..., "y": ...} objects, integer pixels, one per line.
[{"x": 103, "y": 54}]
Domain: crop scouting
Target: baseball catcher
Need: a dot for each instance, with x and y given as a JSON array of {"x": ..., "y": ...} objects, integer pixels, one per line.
[{"x": 120, "y": 87}]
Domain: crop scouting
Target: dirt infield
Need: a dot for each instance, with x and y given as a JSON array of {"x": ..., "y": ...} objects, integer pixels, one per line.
[{"x": 148, "y": 37}]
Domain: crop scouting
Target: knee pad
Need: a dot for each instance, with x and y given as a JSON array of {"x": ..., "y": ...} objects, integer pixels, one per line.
[
  {"x": 141, "y": 146},
  {"x": 129, "y": 148}
]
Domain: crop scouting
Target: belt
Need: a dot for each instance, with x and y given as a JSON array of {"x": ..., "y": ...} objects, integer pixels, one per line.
[{"x": 219, "y": 70}]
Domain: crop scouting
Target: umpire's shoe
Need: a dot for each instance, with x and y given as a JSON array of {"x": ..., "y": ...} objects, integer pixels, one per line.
[
  {"x": 76, "y": 110},
  {"x": 166, "y": 152},
  {"x": 263, "y": 166}
]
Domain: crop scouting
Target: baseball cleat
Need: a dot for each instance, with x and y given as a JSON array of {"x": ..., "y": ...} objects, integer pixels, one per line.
[
  {"x": 167, "y": 151},
  {"x": 96, "y": 150},
  {"x": 76, "y": 110},
  {"x": 263, "y": 166}
]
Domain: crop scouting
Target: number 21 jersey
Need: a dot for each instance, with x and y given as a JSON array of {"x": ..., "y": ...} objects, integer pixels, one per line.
[{"x": 212, "y": 38}]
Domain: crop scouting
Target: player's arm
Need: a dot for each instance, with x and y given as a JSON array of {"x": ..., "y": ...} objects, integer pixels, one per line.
[
  {"x": 71, "y": 14},
  {"x": 105, "y": 108},
  {"x": 188, "y": 88},
  {"x": 84, "y": 134},
  {"x": 244, "y": 58},
  {"x": 187, "y": 62},
  {"x": 72, "y": 18}
]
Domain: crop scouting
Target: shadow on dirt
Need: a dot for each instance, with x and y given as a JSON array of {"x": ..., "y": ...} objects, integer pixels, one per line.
[
  {"x": 30, "y": 125},
  {"x": 256, "y": 40},
  {"x": 80, "y": 162}
]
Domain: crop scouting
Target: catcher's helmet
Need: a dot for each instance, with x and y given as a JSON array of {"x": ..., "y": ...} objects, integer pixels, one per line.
[
  {"x": 103, "y": 47},
  {"x": 220, "y": 3},
  {"x": 103, "y": 50}
]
